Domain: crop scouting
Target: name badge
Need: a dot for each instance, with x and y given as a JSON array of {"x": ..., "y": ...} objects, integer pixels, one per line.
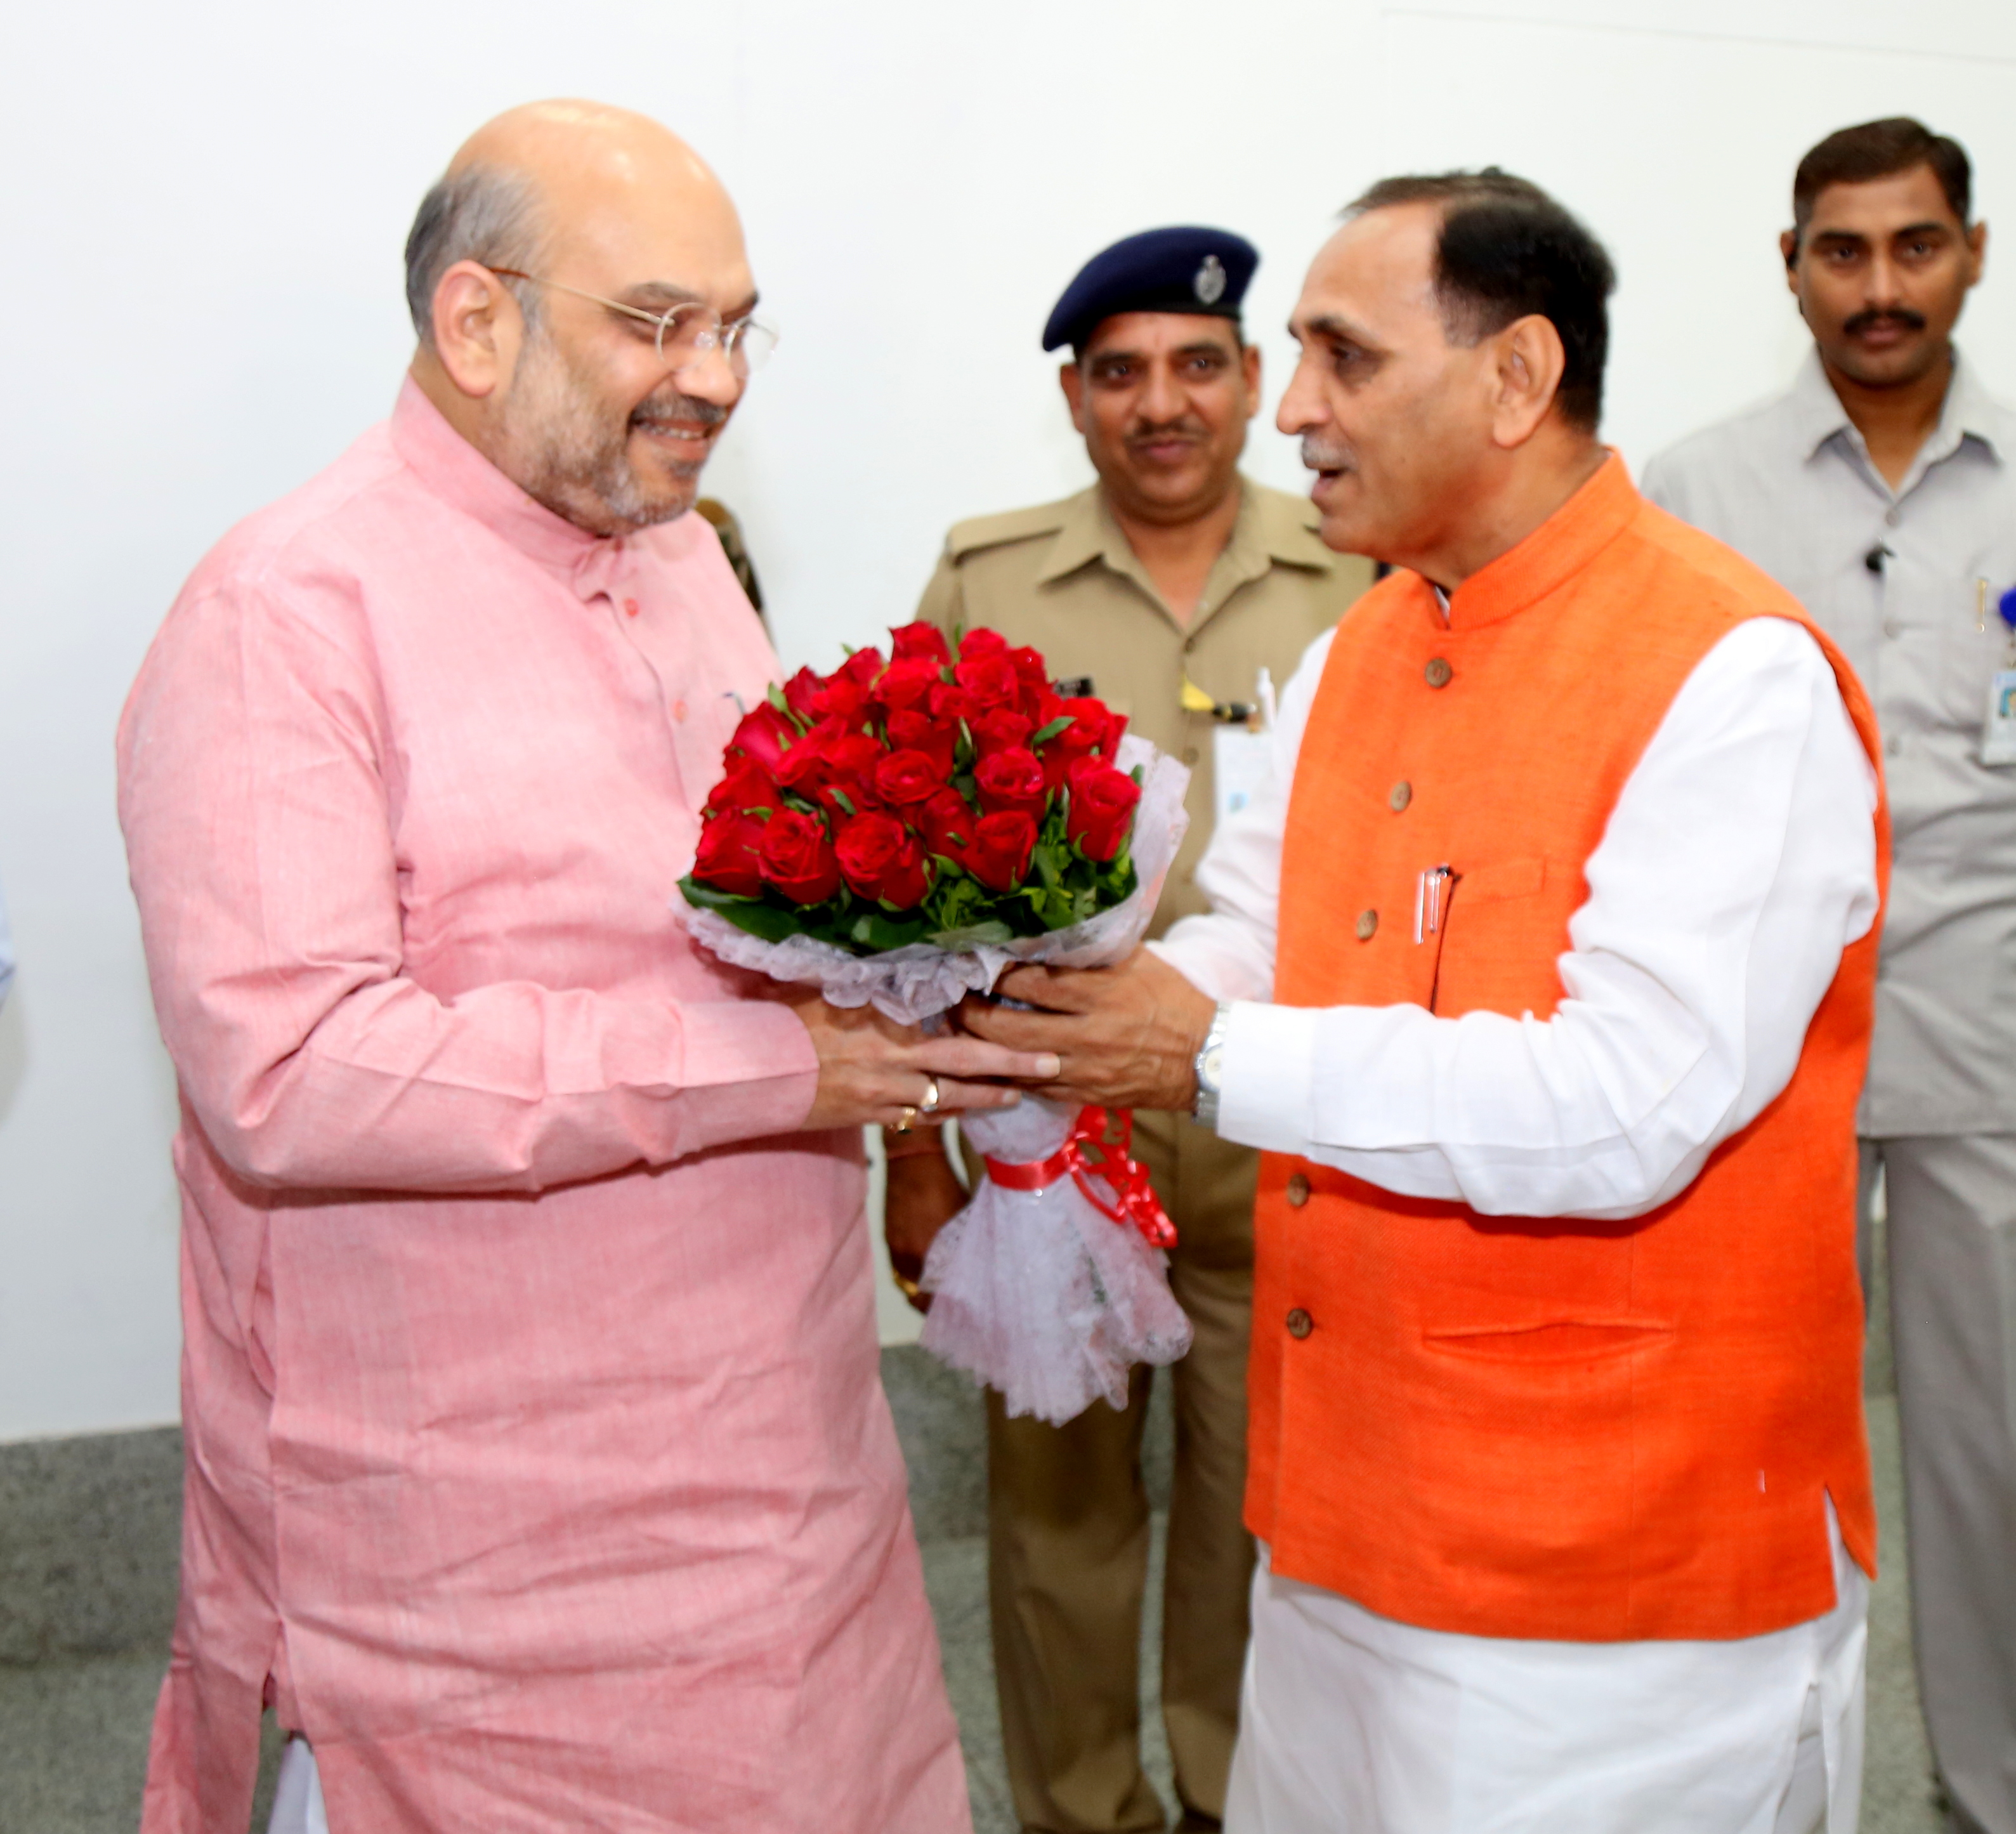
[
  {"x": 1241, "y": 757},
  {"x": 1998, "y": 732}
]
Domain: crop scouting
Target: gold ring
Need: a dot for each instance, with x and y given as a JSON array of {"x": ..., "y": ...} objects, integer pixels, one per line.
[
  {"x": 908, "y": 1120},
  {"x": 929, "y": 1104},
  {"x": 907, "y": 1287}
]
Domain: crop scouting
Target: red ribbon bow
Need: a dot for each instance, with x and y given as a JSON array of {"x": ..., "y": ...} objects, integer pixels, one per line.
[{"x": 1115, "y": 1183}]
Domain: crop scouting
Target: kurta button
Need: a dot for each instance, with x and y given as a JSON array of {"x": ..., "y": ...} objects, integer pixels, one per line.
[
  {"x": 1300, "y": 1323},
  {"x": 1893, "y": 516},
  {"x": 678, "y": 710},
  {"x": 1437, "y": 674},
  {"x": 1894, "y": 744},
  {"x": 1191, "y": 755},
  {"x": 1298, "y": 1191},
  {"x": 631, "y": 607},
  {"x": 1399, "y": 796},
  {"x": 1368, "y": 921},
  {"x": 1892, "y": 627}
]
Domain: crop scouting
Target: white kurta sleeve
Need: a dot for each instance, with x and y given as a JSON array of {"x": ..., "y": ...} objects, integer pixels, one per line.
[{"x": 1739, "y": 862}]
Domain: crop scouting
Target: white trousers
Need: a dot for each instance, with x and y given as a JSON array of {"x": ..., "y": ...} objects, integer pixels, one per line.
[
  {"x": 297, "y": 1806},
  {"x": 1352, "y": 1724}
]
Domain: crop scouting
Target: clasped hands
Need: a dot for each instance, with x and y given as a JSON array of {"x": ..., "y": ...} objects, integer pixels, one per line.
[{"x": 1126, "y": 1036}]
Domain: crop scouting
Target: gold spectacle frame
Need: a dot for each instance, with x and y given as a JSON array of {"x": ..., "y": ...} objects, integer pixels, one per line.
[{"x": 686, "y": 333}]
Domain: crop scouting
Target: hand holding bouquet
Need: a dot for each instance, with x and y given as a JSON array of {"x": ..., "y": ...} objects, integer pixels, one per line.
[{"x": 902, "y": 831}]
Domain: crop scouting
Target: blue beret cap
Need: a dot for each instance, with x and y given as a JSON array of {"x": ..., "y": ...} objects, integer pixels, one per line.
[{"x": 1179, "y": 270}]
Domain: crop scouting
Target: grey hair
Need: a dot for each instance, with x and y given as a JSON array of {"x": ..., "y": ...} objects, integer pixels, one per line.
[{"x": 479, "y": 213}]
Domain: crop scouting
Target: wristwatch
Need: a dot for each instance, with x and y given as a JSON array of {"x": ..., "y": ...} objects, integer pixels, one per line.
[{"x": 1210, "y": 1066}]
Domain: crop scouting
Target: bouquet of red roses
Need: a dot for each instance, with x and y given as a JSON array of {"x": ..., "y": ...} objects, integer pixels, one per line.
[
  {"x": 948, "y": 796},
  {"x": 900, "y": 832}
]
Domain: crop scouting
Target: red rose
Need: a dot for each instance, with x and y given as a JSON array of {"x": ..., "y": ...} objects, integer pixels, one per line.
[
  {"x": 1082, "y": 738},
  {"x": 946, "y": 824},
  {"x": 1000, "y": 729},
  {"x": 991, "y": 679},
  {"x": 1103, "y": 801},
  {"x": 764, "y": 735},
  {"x": 905, "y": 777},
  {"x": 840, "y": 697},
  {"x": 801, "y": 691},
  {"x": 797, "y": 857},
  {"x": 1034, "y": 675},
  {"x": 912, "y": 731},
  {"x": 862, "y": 666},
  {"x": 919, "y": 643},
  {"x": 907, "y": 684},
  {"x": 727, "y": 858},
  {"x": 808, "y": 763},
  {"x": 880, "y": 858},
  {"x": 1012, "y": 780},
  {"x": 952, "y": 704},
  {"x": 848, "y": 771},
  {"x": 747, "y": 785},
  {"x": 1001, "y": 845},
  {"x": 982, "y": 643}
]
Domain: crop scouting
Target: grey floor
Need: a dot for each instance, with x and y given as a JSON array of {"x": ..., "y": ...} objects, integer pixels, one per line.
[{"x": 74, "y": 1731}]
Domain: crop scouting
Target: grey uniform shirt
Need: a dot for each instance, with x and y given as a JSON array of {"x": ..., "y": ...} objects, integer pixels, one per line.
[{"x": 1790, "y": 485}]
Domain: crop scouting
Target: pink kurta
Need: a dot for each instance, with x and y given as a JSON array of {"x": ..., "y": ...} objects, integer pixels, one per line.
[{"x": 539, "y": 1469}]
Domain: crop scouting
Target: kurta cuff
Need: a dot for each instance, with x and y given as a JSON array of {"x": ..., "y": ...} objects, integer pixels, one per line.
[
  {"x": 748, "y": 1069},
  {"x": 1268, "y": 1072}
]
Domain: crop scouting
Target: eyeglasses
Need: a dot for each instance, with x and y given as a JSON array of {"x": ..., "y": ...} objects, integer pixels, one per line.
[{"x": 686, "y": 333}]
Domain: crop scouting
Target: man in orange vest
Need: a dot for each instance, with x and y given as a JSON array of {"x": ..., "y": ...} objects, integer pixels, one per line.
[{"x": 1542, "y": 974}]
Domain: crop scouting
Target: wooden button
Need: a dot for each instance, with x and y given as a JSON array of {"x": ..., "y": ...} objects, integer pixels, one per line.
[
  {"x": 1300, "y": 1323},
  {"x": 1191, "y": 755},
  {"x": 1298, "y": 1191},
  {"x": 631, "y": 607},
  {"x": 1368, "y": 921},
  {"x": 1399, "y": 796},
  {"x": 1437, "y": 672}
]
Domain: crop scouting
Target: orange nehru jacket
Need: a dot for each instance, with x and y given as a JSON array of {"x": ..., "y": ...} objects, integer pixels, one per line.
[{"x": 1530, "y": 1426}]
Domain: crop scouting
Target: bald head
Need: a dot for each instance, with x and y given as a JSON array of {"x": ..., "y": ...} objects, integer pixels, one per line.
[
  {"x": 535, "y": 273},
  {"x": 553, "y": 177}
]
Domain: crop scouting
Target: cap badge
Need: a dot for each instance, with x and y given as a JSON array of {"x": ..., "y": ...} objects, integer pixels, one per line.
[{"x": 1209, "y": 285}]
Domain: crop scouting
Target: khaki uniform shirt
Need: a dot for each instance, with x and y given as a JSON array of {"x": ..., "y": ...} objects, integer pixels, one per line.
[
  {"x": 1790, "y": 485},
  {"x": 1062, "y": 577}
]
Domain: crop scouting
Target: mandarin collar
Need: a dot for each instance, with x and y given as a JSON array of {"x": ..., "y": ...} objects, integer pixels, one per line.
[
  {"x": 455, "y": 471},
  {"x": 1598, "y": 513}
]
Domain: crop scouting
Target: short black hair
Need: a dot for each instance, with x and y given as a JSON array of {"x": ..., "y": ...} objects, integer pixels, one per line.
[
  {"x": 1507, "y": 251},
  {"x": 1880, "y": 149}
]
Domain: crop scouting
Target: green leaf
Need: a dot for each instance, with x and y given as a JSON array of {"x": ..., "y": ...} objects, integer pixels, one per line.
[
  {"x": 972, "y": 936},
  {"x": 774, "y": 693},
  {"x": 840, "y": 796},
  {"x": 1043, "y": 734},
  {"x": 765, "y": 920}
]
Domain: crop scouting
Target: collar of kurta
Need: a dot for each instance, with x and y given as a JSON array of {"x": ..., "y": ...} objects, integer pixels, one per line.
[
  {"x": 1968, "y": 412},
  {"x": 1547, "y": 558},
  {"x": 455, "y": 471}
]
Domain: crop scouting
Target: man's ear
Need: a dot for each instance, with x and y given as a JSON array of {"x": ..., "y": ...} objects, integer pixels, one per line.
[
  {"x": 1249, "y": 364},
  {"x": 1526, "y": 377},
  {"x": 1072, "y": 379},
  {"x": 478, "y": 329},
  {"x": 1977, "y": 246}
]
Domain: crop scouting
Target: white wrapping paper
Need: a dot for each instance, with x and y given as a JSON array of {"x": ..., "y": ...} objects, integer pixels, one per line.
[{"x": 1037, "y": 1294}]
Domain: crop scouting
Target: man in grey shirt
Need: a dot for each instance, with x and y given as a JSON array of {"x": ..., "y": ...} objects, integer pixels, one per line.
[{"x": 1881, "y": 490}]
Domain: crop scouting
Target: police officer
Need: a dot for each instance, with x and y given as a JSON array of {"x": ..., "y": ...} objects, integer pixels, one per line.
[
  {"x": 1171, "y": 584},
  {"x": 1881, "y": 489}
]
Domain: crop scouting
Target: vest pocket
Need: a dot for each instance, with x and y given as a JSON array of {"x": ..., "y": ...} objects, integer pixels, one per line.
[
  {"x": 1566, "y": 1340},
  {"x": 1501, "y": 933}
]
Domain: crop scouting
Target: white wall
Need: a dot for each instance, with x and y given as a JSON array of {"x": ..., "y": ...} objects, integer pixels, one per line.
[{"x": 202, "y": 223}]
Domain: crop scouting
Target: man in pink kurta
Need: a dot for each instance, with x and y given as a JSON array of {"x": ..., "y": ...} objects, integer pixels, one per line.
[{"x": 538, "y": 1471}]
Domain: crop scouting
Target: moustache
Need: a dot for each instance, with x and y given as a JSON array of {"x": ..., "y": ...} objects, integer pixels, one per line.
[
  {"x": 1316, "y": 456},
  {"x": 1902, "y": 316},
  {"x": 684, "y": 410}
]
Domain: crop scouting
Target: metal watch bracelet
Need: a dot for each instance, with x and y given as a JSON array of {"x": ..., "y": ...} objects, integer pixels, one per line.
[{"x": 1208, "y": 1065}]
